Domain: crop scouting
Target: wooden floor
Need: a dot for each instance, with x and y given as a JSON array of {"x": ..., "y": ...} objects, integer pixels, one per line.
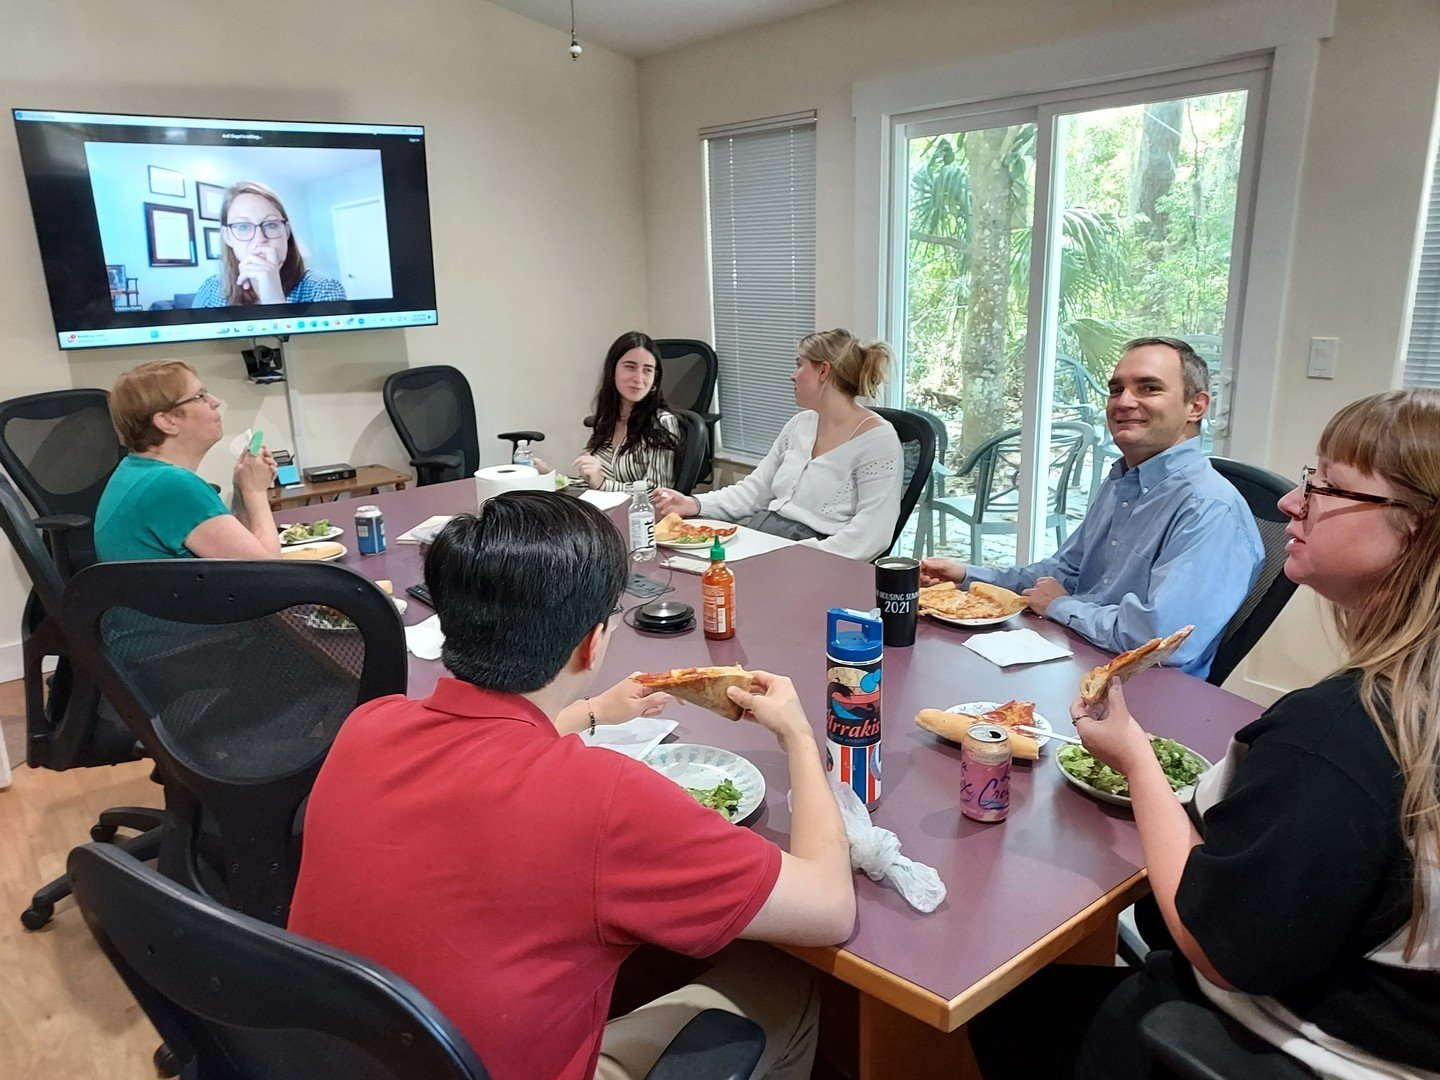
[{"x": 64, "y": 1013}]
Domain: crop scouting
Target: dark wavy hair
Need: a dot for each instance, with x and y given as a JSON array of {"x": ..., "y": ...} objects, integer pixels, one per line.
[
  {"x": 644, "y": 427},
  {"x": 519, "y": 584}
]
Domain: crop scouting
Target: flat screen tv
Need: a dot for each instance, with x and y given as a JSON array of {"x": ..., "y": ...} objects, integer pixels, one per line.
[{"x": 157, "y": 229}]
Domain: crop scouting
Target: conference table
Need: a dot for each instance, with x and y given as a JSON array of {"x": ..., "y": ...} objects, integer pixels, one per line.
[{"x": 1046, "y": 885}]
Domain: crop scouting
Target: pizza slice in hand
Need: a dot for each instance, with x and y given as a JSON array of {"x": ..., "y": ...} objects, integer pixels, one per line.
[{"x": 703, "y": 686}]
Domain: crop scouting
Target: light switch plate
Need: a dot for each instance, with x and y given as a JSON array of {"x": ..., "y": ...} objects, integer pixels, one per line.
[{"x": 1323, "y": 353}]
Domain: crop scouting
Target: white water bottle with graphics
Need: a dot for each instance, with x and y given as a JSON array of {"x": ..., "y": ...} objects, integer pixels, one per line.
[{"x": 642, "y": 524}]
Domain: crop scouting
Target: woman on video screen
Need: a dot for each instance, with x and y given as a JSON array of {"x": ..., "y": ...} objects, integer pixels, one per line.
[{"x": 261, "y": 264}]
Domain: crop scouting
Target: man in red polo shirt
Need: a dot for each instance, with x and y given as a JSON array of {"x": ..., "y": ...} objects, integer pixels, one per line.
[{"x": 466, "y": 843}]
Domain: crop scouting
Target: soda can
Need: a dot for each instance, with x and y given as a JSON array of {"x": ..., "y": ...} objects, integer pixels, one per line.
[
  {"x": 370, "y": 530},
  {"x": 852, "y": 701},
  {"x": 985, "y": 773}
]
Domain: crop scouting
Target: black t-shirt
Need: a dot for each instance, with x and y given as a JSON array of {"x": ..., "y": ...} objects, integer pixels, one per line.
[{"x": 1304, "y": 873}]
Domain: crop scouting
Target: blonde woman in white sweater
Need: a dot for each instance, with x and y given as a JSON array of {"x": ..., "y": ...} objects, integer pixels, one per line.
[{"x": 832, "y": 479}]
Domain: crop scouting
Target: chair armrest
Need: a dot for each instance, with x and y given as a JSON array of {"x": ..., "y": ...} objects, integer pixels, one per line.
[
  {"x": 716, "y": 1045},
  {"x": 514, "y": 437},
  {"x": 1199, "y": 1043},
  {"x": 61, "y": 523}
]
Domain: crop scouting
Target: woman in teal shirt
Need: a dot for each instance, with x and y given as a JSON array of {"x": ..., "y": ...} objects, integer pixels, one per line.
[{"x": 155, "y": 505}]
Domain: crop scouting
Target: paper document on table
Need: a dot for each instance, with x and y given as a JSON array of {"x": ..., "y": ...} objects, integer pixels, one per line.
[
  {"x": 426, "y": 531},
  {"x": 605, "y": 500},
  {"x": 1010, "y": 647},
  {"x": 424, "y": 639}
]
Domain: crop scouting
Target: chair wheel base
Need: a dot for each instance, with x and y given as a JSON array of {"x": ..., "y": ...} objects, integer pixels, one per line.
[{"x": 36, "y": 916}]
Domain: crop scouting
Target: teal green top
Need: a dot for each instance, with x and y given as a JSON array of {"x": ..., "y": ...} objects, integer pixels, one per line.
[{"x": 148, "y": 509}]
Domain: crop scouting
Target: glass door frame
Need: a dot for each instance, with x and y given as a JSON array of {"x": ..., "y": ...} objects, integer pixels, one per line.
[{"x": 1045, "y": 110}]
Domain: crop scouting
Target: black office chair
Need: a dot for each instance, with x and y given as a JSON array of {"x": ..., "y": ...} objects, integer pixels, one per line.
[
  {"x": 60, "y": 449},
  {"x": 1262, "y": 490},
  {"x": 1196, "y": 1043},
  {"x": 689, "y": 370},
  {"x": 434, "y": 414},
  {"x": 690, "y": 462},
  {"x": 211, "y": 981},
  {"x": 236, "y": 677},
  {"x": 917, "y": 443},
  {"x": 73, "y": 726}
]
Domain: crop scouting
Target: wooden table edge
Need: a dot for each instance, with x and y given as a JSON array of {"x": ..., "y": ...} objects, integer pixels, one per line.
[{"x": 949, "y": 1014}]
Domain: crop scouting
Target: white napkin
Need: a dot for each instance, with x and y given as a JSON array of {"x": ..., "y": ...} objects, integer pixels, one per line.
[
  {"x": 426, "y": 531},
  {"x": 634, "y": 738},
  {"x": 605, "y": 500},
  {"x": 876, "y": 851},
  {"x": 239, "y": 443},
  {"x": 424, "y": 639},
  {"x": 1008, "y": 647}
]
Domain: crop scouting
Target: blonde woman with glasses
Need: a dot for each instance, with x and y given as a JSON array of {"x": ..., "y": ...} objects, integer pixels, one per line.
[
  {"x": 261, "y": 262},
  {"x": 1300, "y": 894},
  {"x": 155, "y": 505}
]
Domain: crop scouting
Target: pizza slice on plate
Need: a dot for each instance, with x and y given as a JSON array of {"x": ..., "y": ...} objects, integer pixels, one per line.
[{"x": 703, "y": 686}]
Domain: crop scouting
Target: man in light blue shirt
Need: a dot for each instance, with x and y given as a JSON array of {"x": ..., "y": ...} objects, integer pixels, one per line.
[{"x": 1167, "y": 540}]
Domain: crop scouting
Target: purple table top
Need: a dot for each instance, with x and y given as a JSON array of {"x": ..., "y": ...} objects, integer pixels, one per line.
[{"x": 1009, "y": 885}]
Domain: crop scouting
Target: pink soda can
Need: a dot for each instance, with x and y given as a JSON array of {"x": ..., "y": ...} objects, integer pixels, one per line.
[{"x": 985, "y": 773}]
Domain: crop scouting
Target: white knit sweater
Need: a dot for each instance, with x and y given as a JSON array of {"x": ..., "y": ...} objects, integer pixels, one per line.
[{"x": 850, "y": 493}]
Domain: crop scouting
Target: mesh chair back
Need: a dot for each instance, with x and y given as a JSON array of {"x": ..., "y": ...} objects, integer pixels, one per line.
[
  {"x": 434, "y": 414},
  {"x": 917, "y": 444},
  {"x": 211, "y": 981},
  {"x": 1262, "y": 491},
  {"x": 688, "y": 370},
  {"x": 70, "y": 726},
  {"x": 60, "y": 449},
  {"x": 691, "y": 461},
  {"x": 236, "y": 677}
]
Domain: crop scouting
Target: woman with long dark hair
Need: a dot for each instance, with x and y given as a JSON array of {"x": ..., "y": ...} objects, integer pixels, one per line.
[{"x": 635, "y": 437}]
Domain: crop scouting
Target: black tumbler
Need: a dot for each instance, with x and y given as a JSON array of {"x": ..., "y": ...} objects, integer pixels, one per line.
[{"x": 897, "y": 595}]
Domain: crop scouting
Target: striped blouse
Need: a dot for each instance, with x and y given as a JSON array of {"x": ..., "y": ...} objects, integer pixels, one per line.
[{"x": 656, "y": 467}]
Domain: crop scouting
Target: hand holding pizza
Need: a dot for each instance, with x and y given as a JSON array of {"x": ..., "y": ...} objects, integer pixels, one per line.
[
  {"x": 626, "y": 700},
  {"x": 775, "y": 706},
  {"x": 1109, "y": 732}
]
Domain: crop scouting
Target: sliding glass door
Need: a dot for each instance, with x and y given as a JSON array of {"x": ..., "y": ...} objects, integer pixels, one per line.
[{"x": 1031, "y": 242}]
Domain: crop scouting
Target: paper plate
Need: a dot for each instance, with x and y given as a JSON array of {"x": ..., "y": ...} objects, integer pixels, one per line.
[
  {"x": 694, "y": 766},
  {"x": 994, "y": 620},
  {"x": 315, "y": 551},
  {"x": 975, "y": 708},
  {"x": 1184, "y": 794},
  {"x": 688, "y": 544}
]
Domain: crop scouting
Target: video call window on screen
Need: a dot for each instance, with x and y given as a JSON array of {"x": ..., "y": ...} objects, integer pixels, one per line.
[{"x": 167, "y": 229}]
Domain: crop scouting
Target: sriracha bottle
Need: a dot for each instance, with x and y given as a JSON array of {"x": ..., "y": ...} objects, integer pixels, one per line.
[{"x": 717, "y": 595}]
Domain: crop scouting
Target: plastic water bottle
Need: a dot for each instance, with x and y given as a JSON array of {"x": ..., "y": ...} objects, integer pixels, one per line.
[
  {"x": 642, "y": 524},
  {"x": 523, "y": 455}
]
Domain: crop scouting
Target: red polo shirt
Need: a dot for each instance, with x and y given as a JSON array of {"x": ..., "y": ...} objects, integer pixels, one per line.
[{"x": 506, "y": 871}]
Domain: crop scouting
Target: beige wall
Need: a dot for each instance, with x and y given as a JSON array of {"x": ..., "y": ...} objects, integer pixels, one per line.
[
  {"x": 534, "y": 186},
  {"x": 1364, "y": 163}
]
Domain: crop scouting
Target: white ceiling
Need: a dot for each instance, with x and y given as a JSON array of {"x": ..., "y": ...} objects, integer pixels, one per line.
[{"x": 645, "y": 27}]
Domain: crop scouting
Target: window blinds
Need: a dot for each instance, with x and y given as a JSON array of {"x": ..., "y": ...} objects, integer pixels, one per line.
[
  {"x": 761, "y": 187},
  {"x": 1422, "y": 349}
]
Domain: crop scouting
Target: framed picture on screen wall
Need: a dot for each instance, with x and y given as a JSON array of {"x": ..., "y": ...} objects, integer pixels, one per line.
[
  {"x": 212, "y": 197},
  {"x": 170, "y": 232},
  {"x": 167, "y": 182},
  {"x": 212, "y": 243}
]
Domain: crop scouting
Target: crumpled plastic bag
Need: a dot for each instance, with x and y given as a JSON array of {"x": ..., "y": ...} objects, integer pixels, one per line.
[{"x": 876, "y": 852}]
